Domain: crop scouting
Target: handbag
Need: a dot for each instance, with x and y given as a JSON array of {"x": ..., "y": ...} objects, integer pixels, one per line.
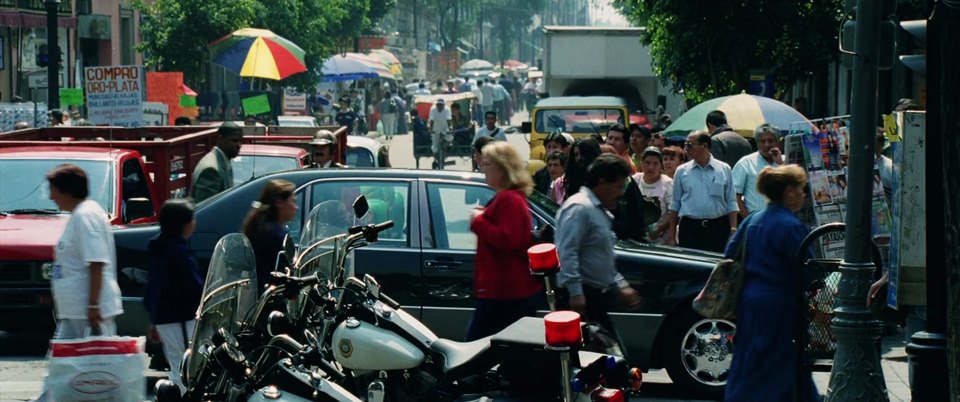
[
  {"x": 719, "y": 296},
  {"x": 97, "y": 368}
]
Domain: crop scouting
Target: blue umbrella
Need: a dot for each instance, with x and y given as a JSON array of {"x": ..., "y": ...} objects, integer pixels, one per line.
[{"x": 340, "y": 68}]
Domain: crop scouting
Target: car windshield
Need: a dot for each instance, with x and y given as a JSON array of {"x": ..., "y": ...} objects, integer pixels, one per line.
[
  {"x": 24, "y": 185},
  {"x": 578, "y": 120},
  {"x": 360, "y": 157},
  {"x": 247, "y": 167}
]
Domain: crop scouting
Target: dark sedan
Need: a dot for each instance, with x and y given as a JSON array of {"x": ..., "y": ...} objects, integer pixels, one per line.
[{"x": 426, "y": 262}]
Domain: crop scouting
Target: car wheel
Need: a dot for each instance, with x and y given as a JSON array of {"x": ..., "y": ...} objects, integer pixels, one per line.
[{"x": 697, "y": 353}]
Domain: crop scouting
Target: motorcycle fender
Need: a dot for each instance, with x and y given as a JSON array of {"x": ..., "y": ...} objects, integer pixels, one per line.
[{"x": 365, "y": 346}]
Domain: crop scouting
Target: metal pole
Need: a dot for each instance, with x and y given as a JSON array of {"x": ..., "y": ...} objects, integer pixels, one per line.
[
  {"x": 856, "y": 374},
  {"x": 53, "y": 59}
]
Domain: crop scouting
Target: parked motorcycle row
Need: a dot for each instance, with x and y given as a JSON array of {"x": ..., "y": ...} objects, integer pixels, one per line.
[{"x": 318, "y": 333}]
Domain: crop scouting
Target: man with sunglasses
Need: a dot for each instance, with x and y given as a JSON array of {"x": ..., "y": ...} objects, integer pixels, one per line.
[
  {"x": 704, "y": 202},
  {"x": 746, "y": 171}
]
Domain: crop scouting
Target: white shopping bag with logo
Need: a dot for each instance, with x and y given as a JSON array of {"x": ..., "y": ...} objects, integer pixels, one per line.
[{"x": 106, "y": 368}]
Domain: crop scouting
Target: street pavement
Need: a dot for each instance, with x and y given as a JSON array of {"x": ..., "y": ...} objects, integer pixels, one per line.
[{"x": 22, "y": 362}]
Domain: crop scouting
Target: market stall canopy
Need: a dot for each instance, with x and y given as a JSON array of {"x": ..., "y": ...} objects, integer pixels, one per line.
[
  {"x": 341, "y": 68},
  {"x": 388, "y": 59},
  {"x": 258, "y": 53},
  {"x": 187, "y": 91},
  {"x": 515, "y": 65},
  {"x": 476, "y": 64},
  {"x": 744, "y": 113},
  {"x": 382, "y": 70}
]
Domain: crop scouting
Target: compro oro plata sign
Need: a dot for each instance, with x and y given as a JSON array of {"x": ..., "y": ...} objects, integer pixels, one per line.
[{"x": 115, "y": 95}]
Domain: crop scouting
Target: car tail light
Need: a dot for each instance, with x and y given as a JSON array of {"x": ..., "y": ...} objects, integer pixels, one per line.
[
  {"x": 607, "y": 395},
  {"x": 563, "y": 329}
]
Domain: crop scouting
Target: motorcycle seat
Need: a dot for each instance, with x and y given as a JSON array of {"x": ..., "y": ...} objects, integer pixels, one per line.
[{"x": 461, "y": 359}]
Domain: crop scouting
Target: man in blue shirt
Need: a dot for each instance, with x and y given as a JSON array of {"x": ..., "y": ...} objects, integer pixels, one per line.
[
  {"x": 746, "y": 171},
  {"x": 589, "y": 282},
  {"x": 704, "y": 201}
]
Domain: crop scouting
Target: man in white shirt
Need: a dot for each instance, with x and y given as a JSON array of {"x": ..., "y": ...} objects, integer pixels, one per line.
[
  {"x": 501, "y": 101},
  {"x": 84, "y": 284},
  {"x": 478, "y": 109},
  {"x": 490, "y": 128},
  {"x": 438, "y": 124},
  {"x": 748, "y": 168},
  {"x": 422, "y": 89},
  {"x": 487, "y": 89}
]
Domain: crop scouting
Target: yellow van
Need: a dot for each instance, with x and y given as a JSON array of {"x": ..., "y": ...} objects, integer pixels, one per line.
[{"x": 580, "y": 116}]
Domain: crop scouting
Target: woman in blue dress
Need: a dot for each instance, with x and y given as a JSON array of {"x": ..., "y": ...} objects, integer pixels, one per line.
[{"x": 765, "y": 359}]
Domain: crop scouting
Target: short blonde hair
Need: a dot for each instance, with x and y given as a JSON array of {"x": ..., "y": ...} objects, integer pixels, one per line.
[
  {"x": 773, "y": 181},
  {"x": 509, "y": 160}
]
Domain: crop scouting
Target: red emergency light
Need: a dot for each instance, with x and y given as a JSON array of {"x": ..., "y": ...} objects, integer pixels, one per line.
[
  {"x": 563, "y": 329},
  {"x": 543, "y": 258}
]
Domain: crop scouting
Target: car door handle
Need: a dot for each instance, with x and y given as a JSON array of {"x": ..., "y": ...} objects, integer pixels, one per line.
[{"x": 442, "y": 264}]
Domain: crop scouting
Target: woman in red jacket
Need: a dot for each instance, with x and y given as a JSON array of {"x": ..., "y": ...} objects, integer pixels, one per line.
[{"x": 502, "y": 283}]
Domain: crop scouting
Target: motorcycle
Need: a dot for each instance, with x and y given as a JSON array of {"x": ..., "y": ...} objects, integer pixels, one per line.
[
  {"x": 385, "y": 353},
  {"x": 231, "y": 357}
]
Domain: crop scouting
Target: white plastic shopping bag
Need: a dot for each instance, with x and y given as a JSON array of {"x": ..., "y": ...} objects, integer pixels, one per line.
[{"x": 107, "y": 368}]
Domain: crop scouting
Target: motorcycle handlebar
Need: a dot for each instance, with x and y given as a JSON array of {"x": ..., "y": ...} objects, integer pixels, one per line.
[
  {"x": 388, "y": 301},
  {"x": 376, "y": 228}
]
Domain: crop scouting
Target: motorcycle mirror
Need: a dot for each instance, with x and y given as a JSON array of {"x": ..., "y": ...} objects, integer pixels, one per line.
[{"x": 360, "y": 207}]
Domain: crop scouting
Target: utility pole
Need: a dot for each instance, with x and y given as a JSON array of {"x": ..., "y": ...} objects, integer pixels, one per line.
[
  {"x": 53, "y": 59},
  {"x": 856, "y": 374}
]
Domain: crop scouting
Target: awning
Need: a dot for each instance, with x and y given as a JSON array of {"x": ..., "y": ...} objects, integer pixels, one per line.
[
  {"x": 35, "y": 21},
  {"x": 467, "y": 44}
]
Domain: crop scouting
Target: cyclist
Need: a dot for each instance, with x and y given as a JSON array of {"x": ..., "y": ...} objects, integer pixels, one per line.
[{"x": 439, "y": 125}]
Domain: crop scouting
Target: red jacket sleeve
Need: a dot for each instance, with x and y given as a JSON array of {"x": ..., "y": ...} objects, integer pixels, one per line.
[{"x": 506, "y": 223}]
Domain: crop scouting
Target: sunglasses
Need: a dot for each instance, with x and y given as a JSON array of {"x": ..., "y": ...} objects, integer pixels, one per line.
[{"x": 689, "y": 144}]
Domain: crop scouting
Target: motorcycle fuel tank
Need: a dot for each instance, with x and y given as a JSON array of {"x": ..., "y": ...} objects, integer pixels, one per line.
[{"x": 359, "y": 345}]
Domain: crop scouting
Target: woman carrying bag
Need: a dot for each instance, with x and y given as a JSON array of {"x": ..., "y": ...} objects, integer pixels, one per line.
[{"x": 764, "y": 366}]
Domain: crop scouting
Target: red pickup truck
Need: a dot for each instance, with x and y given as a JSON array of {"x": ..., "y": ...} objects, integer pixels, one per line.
[{"x": 131, "y": 172}]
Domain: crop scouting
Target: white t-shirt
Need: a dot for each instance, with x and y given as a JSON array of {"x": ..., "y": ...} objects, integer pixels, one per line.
[
  {"x": 87, "y": 238},
  {"x": 440, "y": 119},
  {"x": 497, "y": 132},
  {"x": 663, "y": 190},
  {"x": 488, "y": 94}
]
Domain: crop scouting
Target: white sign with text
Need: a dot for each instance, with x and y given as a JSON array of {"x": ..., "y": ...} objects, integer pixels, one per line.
[{"x": 115, "y": 95}]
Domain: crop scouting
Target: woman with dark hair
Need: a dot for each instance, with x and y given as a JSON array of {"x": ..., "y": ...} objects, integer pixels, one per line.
[
  {"x": 582, "y": 154},
  {"x": 174, "y": 286},
  {"x": 673, "y": 157},
  {"x": 768, "y": 329},
  {"x": 265, "y": 225}
]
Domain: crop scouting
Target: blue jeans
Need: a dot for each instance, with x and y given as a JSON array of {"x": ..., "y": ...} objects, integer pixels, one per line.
[{"x": 491, "y": 316}]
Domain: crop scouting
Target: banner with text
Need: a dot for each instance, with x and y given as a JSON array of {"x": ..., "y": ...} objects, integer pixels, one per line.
[{"x": 114, "y": 95}]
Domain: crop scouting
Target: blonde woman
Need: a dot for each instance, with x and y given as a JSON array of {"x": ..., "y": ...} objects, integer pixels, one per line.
[{"x": 504, "y": 289}]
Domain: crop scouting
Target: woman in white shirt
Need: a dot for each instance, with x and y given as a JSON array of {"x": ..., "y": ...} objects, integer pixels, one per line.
[{"x": 654, "y": 184}]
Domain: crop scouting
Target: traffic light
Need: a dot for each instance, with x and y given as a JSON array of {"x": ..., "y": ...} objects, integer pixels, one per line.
[
  {"x": 888, "y": 31},
  {"x": 916, "y": 62}
]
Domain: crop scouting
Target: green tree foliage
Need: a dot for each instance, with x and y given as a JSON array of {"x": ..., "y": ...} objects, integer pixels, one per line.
[
  {"x": 710, "y": 47},
  {"x": 508, "y": 18},
  {"x": 176, "y": 32}
]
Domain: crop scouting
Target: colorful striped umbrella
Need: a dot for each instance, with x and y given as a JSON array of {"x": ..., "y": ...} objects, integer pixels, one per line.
[
  {"x": 744, "y": 113},
  {"x": 260, "y": 53},
  {"x": 383, "y": 71}
]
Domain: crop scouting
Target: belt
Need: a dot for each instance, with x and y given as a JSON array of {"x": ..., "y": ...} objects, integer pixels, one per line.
[{"x": 702, "y": 222}]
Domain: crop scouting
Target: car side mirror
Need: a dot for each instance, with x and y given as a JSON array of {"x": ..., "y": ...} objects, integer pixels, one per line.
[
  {"x": 360, "y": 207},
  {"x": 137, "y": 208},
  {"x": 526, "y": 127}
]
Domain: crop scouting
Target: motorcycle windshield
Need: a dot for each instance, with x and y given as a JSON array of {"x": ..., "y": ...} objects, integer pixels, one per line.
[
  {"x": 229, "y": 293},
  {"x": 319, "y": 251}
]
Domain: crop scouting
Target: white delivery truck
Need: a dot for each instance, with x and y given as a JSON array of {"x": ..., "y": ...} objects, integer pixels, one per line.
[{"x": 602, "y": 61}]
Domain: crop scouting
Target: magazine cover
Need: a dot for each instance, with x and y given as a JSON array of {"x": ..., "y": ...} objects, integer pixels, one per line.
[
  {"x": 811, "y": 151},
  {"x": 881, "y": 221},
  {"x": 820, "y": 188},
  {"x": 793, "y": 149},
  {"x": 829, "y": 214},
  {"x": 843, "y": 144}
]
